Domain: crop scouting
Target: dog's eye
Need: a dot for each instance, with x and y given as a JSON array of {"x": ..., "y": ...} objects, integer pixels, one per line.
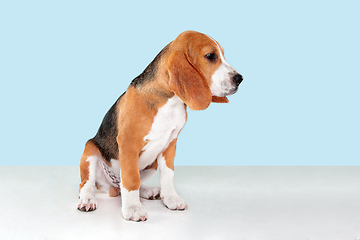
[{"x": 211, "y": 56}]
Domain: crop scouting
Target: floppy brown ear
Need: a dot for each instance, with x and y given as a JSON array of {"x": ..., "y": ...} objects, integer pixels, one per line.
[
  {"x": 187, "y": 82},
  {"x": 220, "y": 99}
]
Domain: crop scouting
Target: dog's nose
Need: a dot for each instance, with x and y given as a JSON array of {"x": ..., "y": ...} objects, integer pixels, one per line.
[{"x": 237, "y": 79}]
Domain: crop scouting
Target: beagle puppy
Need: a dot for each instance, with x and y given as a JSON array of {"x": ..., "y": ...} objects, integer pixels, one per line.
[{"x": 138, "y": 134}]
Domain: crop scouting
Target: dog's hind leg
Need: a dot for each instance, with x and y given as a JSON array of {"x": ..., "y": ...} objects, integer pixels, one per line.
[
  {"x": 88, "y": 168},
  {"x": 145, "y": 191}
]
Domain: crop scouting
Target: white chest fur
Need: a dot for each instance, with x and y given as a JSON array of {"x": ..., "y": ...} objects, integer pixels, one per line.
[{"x": 167, "y": 124}]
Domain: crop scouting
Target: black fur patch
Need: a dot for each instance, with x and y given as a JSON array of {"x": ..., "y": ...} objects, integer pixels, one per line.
[
  {"x": 105, "y": 139},
  {"x": 150, "y": 71}
]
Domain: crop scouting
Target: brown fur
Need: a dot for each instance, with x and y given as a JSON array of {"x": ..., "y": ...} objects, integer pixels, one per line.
[
  {"x": 114, "y": 192},
  {"x": 169, "y": 154},
  {"x": 220, "y": 99},
  {"x": 131, "y": 134},
  {"x": 188, "y": 83}
]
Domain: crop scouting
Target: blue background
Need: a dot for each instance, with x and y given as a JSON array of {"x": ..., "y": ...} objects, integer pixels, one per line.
[{"x": 64, "y": 63}]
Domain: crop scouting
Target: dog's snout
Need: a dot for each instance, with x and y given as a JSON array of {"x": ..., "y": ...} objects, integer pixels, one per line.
[{"x": 237, "y": 79}]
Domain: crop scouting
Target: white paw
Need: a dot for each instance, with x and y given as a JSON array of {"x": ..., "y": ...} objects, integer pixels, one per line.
[
  {"x": 149, "y": 192},
  {"x": 87, "y": 204},
  {"x": 174, "y": 202},
  {"x": 135, "y": 213}
]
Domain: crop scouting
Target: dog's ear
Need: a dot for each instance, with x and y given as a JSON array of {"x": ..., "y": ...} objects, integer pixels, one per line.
[
  {"x": 220, "y": 99},
  {"x": 187, "y": 82}
]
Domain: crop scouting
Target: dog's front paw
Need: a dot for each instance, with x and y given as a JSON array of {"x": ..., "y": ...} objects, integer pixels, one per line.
[
  {"x": 150, "y": 193},
  {"x": 135, "y": 213},
  {"x": 174, "y": 202},
  {"x": 87, "y": 204}
]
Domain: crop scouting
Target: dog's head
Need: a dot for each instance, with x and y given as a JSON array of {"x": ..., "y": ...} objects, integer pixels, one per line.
[{"x": 198, "y": 72}]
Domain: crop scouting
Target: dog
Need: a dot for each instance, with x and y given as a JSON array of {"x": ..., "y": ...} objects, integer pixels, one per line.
[{"x": 138, "y": 134}]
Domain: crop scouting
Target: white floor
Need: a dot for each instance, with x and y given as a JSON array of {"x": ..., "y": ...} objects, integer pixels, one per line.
[{"x": 283, "y": 203}]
